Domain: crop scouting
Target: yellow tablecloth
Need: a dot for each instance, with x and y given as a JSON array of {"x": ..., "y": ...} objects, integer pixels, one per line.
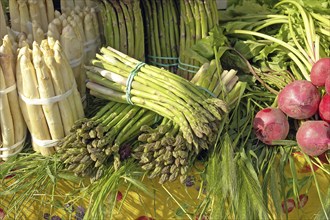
[{"x": 164, "y": 204}]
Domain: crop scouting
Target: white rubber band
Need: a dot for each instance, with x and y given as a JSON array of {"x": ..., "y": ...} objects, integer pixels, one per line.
[
  {"x": 90, "y": 45},
  {"x": 76, "y": 62},
  {"x": 13, "y": 147},
  {"x": 8, "y": 90},
  {"x": 47, "y": 101},
  {"x": 44, "y": 143}
]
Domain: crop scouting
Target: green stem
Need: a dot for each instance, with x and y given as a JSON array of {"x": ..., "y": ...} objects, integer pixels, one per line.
[
  {"x": 122, "y": 26},
  {"x": 129, "y": 30},
  {"x": 280, "y": 42},
  {"x": 114, "y": 21}
]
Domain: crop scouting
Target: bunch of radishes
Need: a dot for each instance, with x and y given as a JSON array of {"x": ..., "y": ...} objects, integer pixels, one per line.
[{"x": 301, "y": 100}]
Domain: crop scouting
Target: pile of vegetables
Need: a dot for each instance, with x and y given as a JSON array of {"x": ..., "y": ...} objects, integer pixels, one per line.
[
  {"x": 123, "y": 79},
  {"x": 154, "y": 122},
  {"x": 98, "y": 142},
  {"x": 163, "y": 151},
  {"x": 123, "y": 26},
  {"x": 3, "y": 25},
  {"x": 197, "y": 18},
  {"x": 162, "y": 33},
  {"x": 300, "y": 77}
]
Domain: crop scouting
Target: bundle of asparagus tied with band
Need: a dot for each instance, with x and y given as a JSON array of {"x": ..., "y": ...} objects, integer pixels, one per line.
[
  {"x": 162, "y": 33},
  {"x": 123, "y": 26},
  {"x": 69, "y": 5},
  {"x": 197, "y": 18},
  {"x": 104, "y": 139},
  {"x": 12, "y": 125},
  {"x": 31, "y": 16},
  {"x": 118, "y": 77},
  {"x": 164, "y": 152},
  {"x": 3, "y": 24},
  {"x": 78, "y": 33},
  {"x": 49, "y": 98}
]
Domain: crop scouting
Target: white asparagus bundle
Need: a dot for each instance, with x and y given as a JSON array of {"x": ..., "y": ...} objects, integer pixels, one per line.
[
  {"x": 35, "y": 12},
  {"x": 46, "y": 90},
  {"x": 68, "y": 75},
  {"x": 91, "y": 36},
  {"x": 50, "y": 10},
  {"x": 3, "y": 25},
  {"x": 69, "y": 5},
  {"x": 27, "y": 85},
  {"x": 38, "y": 33},
  {"x": 48, "y": 94},
  {"x": 43, "y": 14},
  {"x": 13, "y": 127},
  {"x": 24, "y": 15},
  {"x": 79, "y": 3},
  {"x": 6, "y": 122},
  {"x": 14, "y": 15},
  {"x": 78, "y": 32},
  {"x": 73, "y": 46}
]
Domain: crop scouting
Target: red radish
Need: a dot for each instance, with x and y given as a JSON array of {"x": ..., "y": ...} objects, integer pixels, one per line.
[
  {"x": 313, "y": 137},
  {"x": 119, "y": 196},
  {"x": 2, "y": 214},
  {"x": 299, "y": 99},
  {"x": 303, "y": 166},
  {"x": 144, "y": 218},
  {"x": 271, "y": 124},
  {"x": 204, "y": 217},
  {"x": 303, "y": 199},
  {"x": 324, "y": 108},
  {"x": 327, "y": 85},
  {"x": 320, "y": 71},
  {"x": 289, "y": 205}
]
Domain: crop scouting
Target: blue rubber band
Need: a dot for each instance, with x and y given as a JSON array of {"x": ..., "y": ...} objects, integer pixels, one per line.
[
  {"x": 190, "y": 71},
  {"x": 163, "y": 58},
  {"x": 188, "y": 65},
  {"x": 129, "y": 81},
  {"x": 163, "y": 64},
  {"x": 208, "y": 91}
]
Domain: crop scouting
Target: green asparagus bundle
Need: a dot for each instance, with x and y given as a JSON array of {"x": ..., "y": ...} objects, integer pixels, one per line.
[
  {"x": 104, "y": 139},
  {"x": 162, "y": 33},
  {"x": 12, "y": 126},
  {"x": 121, "y": 78},
  {"x": 49, "y": 98},
  {"x": 123, "y": 26},
  {"x": 164, "y": 152},
  {"x": 197, "y": 18}
]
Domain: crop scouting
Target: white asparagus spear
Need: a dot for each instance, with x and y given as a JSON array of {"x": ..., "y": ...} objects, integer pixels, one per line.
[
  {"x": 50, "y": 10},
  {"x": 14, "y": 15},
  {"x": 6, "y": 120}
]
